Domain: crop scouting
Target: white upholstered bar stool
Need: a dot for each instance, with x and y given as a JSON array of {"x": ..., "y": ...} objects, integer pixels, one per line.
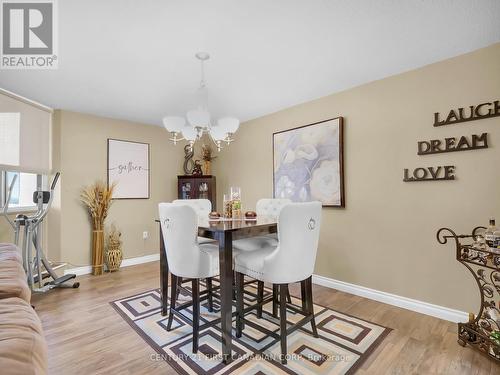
[
  {"x": 265, "y": 207},
  {"x": 202, "y": 208},
  {"x": 290, "y": 262},
  {"x": 186, "y": 259}
]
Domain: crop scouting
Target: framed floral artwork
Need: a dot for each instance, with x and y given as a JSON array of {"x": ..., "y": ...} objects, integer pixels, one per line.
[{"x": 308, "y": 163}]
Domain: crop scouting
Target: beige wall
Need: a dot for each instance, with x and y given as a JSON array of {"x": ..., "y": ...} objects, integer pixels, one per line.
[
  {"x": 80, "y": 146},
  {"x": 385, "y": 238}
]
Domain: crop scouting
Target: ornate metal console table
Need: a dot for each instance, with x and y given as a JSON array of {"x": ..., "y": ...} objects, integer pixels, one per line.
[{"x": 482, "y": 331}]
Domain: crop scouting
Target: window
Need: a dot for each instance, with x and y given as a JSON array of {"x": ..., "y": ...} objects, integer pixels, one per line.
[{"x": 21, "y": 197}]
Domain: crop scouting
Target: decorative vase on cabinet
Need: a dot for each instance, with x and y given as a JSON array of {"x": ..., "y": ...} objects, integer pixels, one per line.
[{"x": 197, "y": 187}]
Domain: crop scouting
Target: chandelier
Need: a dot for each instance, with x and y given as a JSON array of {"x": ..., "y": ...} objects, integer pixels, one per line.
[{"x": 197, "y": 122}]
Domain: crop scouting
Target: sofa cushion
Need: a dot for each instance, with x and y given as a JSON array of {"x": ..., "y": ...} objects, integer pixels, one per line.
[
  {"x": 13, "y": 280},
  {"x": 6, "y": 244},
  {"x": 10, "y": 252},
  {"x": 23, "y": 350}
]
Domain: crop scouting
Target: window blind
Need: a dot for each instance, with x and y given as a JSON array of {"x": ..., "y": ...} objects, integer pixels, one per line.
[{"x": 25, "y": 134}]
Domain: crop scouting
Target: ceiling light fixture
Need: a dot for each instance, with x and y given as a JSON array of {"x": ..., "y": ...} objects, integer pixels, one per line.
[{"x": 198, "y": 121}]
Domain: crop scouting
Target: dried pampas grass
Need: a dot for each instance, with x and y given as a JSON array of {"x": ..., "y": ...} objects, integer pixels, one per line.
[
  {"x": 98, "y": 199},
  {"x": 206, "y": 153}
]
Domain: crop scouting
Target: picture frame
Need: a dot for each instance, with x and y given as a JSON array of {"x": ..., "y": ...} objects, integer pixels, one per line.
[
  {"x": 308, "y": 163},
  {"x": 128, "y": 165}
]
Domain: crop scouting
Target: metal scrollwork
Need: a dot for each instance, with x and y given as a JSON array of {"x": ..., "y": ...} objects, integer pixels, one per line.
[
  {"x": 442, "y": 238},
  {"x": 495, "y": 279},
  {"x": 482, "y": 332}
]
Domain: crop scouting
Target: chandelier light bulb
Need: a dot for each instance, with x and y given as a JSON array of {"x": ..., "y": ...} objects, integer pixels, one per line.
[
  {"x": 174, "y": 124},
  {"x": 230, "y": 124},
  {"x": 189, "y": 133},
  {"x": 218, "y": 133}
]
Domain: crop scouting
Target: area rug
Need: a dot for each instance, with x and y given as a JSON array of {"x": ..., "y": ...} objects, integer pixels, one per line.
[{"x": 345, "y": 341}]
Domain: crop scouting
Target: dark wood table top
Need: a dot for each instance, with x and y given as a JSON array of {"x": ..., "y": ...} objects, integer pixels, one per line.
[
  {"x": 236, "y": 224},
  {"x": 241, "y": 228}
]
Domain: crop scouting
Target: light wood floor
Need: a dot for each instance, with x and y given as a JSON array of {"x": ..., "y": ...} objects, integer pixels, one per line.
[{"x": 86, "y": 336}]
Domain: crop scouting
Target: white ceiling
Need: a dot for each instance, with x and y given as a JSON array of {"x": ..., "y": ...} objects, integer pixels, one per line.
[{"x": 135, "y": 59}]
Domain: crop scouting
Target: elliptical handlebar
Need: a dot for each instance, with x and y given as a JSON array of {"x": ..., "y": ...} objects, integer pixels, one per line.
[
  {"x": 43, "y": 211},
  {"x": 5, "y": 208},
  {"x": 9, "y": 192},
  {"x": 54, "y": 182}
]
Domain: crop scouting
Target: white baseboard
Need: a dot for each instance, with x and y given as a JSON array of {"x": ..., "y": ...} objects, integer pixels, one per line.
[
  {"x": 437, "y": 311},
  {"x": 393, "y": 299},
  {"x": 139, "y": 260},
  {"x": 79, "y": 271},
  {"x": 85, "y": 270}
]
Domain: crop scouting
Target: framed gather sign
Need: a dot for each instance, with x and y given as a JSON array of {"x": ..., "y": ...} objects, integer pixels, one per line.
[
  {"x": 128, "y": 168},
  {"x": 308, "y": 163}
]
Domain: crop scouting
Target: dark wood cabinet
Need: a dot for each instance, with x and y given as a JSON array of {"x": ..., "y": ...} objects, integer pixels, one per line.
[{"x": 197, "y": 187}]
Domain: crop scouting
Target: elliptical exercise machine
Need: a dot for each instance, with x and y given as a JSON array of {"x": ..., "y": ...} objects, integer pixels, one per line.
[{"x": 36, "y": 265}]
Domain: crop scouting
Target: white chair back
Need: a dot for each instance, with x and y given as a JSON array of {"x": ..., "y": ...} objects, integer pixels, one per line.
[
  {"x": 298, "y": 233},
  {"x": 202, "y": 206},
  {"x": 271, "y": 206},
  {"x": 179, "y": 225}
]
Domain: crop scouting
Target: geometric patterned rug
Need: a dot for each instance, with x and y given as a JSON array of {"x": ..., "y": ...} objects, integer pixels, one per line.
[{"x": 344, "y": 342}]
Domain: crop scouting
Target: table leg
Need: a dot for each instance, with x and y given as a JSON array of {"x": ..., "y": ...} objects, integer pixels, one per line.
[
  {"x": 303, "y": 295},
  {"x": 163, "y": 276},
  {"x": 226, "y": 287}
]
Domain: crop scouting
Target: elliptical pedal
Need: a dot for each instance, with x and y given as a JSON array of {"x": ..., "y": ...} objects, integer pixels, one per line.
[
  {"x": 60, "y": 282},
  {"x": 46, "y": 274}
]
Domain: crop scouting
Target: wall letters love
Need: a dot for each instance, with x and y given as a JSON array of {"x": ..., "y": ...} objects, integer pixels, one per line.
[{"x": 430, "y": 174}]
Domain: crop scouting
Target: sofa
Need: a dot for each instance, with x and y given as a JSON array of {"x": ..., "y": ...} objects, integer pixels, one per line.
[{"x": 23, "y": 349}]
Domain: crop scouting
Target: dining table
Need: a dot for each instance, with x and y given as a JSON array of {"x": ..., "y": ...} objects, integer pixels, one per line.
[{"x": 224, "y": 231}]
